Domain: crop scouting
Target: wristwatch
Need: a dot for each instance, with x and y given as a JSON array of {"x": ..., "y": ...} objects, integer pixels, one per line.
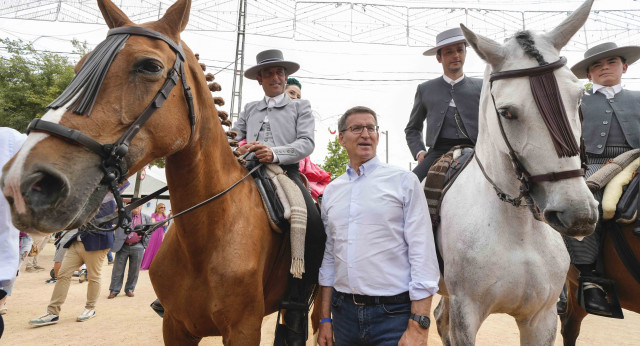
[{"x": 423, "y": 321}]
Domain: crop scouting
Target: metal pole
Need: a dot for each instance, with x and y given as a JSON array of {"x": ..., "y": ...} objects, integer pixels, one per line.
[{"x": 238, "y": 69}]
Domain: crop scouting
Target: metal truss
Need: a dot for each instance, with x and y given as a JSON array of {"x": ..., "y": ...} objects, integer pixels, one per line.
[{"x": 357, "y": 22}]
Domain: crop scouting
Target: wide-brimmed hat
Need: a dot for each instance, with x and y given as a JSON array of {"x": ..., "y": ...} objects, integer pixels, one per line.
[
  {"x": 446, "y": 38},
  {"x": 270, "y": 58},
  {"x": 605, "y": 50}
]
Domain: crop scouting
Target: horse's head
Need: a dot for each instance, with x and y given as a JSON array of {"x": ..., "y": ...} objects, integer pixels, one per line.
[
  {"x": 59, "y": 177},
  {"x": 530, "y": 123}
]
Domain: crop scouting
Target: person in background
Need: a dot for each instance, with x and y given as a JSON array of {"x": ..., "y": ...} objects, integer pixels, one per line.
[
  {"x": 32, "y": 262},
  {"x": 156, "y": 237},
  {"x": 293, "y": 89},
  {"x": 128, "y": 248}
]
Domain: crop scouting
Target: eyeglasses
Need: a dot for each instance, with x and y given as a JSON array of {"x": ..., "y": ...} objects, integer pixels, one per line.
[{"x": 357, "y": 129}]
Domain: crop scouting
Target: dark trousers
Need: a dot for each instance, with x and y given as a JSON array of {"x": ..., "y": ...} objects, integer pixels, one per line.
[
  {"x": 442, "y": 147},
  {"x": 133, "y": 254},
  {"x": 381, "y": 324}
]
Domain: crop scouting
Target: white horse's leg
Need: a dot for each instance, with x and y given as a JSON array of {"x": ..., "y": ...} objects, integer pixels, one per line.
[
  {"x": 441, "y": 313},
  {"x": 539, "y": 329},
  {"x": 464, "y": 321}
]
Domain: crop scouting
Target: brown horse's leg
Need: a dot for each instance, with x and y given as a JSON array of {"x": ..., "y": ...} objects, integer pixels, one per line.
[
  {"x": 175, "y": 333},
  {"x": 572, "y": 319}
]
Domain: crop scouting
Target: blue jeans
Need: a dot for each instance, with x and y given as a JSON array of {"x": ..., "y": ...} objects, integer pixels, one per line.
[
  {"x": 109, "y": 256},
  {"x": 381, "y": 324},
  {"x": 133, "y": 254}
]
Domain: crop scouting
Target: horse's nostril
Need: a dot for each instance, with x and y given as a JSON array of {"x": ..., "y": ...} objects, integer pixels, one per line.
[{"x": 44, "y": 190}]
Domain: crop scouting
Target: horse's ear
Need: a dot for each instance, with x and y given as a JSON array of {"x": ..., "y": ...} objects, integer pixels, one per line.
[
  {"x": 488, "y": 49},
  {"x": 113, "y": 16},
  {"x": 177, "y": 17},
  {"x": 563, "y": 32}
]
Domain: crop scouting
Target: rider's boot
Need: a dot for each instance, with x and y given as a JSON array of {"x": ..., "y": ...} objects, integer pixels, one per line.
[
  {"x": 296, "y": 314},
  {"x": 157, "y": 307},
  {"x": 595, "y": 298}
]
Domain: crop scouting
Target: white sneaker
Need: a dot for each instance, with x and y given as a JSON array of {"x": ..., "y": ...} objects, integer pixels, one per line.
[
  {"x": 86, "y": 314},
  {"x": 44, "y": 320}
]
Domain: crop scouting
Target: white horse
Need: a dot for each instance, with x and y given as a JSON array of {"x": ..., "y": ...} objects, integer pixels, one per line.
[{"x": 498, "y": 258}]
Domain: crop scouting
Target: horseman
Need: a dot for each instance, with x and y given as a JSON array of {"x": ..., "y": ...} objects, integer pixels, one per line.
[
  {"x": 448, "y": 103},
  {"x": 281, "y": 131},
  {"x": 611, "y": 127}
]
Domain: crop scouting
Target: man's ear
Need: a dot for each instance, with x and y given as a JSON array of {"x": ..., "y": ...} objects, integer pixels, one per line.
[
  {"x": 259, "y": 79},
  {"x": 624, "y": 68},
  {"x": 589, "y": 77},
  {"x": 341, "y": 139},
  {"x": 439, "y": 58}
]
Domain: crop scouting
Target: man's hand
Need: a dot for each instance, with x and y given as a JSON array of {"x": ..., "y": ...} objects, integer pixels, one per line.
[
  {"x": 325, "y": 334},
  {"x": 263, "y": 152},
  {"x": 414, "y": 335},
  {"x": 421, "y": 156}
]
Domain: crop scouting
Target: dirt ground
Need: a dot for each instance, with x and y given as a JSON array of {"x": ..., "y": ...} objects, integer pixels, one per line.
[{"x": 130, "y": 321}]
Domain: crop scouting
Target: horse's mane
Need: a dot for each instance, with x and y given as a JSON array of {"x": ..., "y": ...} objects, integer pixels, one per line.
[
  {"x": 219, "y": 101},
  {"x": 525, "y": 41}
]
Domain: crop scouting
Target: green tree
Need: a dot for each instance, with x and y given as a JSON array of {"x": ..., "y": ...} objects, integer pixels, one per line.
[
  {"x": 336, "y": 160},
  {"x": 29, "y": 81}
]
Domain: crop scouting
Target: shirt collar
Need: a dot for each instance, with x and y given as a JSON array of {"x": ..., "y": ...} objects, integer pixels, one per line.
[
  {"x": 451, "y": 81},
  {"x": 272, "y": 101},
  {"x": 602, "y": 89},
  {"x": 365, "y": 169}
]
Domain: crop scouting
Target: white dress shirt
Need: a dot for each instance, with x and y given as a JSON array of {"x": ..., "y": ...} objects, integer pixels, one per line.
[
  {"x": 10, "y": 142},
  {"x": 379, "y": 236},
  {"x": 609, "y": 92}
]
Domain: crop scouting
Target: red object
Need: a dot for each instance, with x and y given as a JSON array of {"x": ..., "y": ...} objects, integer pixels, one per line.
[{"x": 318, "y": 178}]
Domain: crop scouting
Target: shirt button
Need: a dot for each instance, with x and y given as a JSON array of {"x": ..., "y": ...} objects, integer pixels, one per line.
[
  {"x": 610, "y": 101},
  {"x": 608, "y": 111},
  {"x": 599, "y": 146},
  {"x": 350, "y": 242},
  {"x": 441, "y": 112},
  {"x": 602, "y": 134},
  {"x": 605, "y": 122},
  {"x": 350, "y": 266}
]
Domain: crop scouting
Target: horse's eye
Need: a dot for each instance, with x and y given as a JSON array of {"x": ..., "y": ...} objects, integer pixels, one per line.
[
  {"x": 149, "y": 66},
  {"x": 505, "y": 113}
]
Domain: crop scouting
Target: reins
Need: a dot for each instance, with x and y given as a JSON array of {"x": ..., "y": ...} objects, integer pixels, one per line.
[{"x": 559, "y": 136}]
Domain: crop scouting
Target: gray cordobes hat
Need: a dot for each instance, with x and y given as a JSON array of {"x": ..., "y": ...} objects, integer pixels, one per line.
[
  {"x": 446, "y": 38},
  {"x": 604, "y": 50},
  {"x": 270, "y": 58}
]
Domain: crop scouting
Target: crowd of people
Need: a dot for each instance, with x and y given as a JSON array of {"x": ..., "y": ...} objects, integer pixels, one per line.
[{"x": 374, "y": 258}]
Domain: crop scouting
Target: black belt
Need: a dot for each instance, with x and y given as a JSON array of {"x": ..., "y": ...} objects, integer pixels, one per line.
[{"x": 359, "y": 299}]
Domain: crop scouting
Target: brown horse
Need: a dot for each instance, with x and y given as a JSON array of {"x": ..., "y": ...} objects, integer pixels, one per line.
[
  {"x": 221, "y": 268},
  {"x": 627, "y": 287}
]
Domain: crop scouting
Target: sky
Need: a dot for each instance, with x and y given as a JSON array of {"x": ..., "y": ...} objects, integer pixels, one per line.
[{"x": 334, "y": 76}]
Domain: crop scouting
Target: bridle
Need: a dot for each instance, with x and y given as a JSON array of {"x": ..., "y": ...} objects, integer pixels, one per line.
[
  {"x": 522, "y": 174},
  {"x": 82, "y": 93}
]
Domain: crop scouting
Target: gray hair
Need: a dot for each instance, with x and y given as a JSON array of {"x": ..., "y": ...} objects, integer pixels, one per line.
[{"x": 342, "y": 123}]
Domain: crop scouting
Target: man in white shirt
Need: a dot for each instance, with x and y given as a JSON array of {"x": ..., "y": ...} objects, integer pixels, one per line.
[
  {"x": 611, "y": 127},
  {"x": 379, "y": 270}
]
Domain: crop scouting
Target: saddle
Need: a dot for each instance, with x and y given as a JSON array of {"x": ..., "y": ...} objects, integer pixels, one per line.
[{"x": 441, "y": 176}]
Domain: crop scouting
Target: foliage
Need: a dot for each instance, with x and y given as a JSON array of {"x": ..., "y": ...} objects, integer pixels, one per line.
[
  {"x": 29, "y": 81},
  {"x": 336, "y": 160}
]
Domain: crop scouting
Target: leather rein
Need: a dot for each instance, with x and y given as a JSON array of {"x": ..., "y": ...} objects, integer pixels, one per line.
[
  {"x": 522, "y": 174},
  {"x": 113, "y": 164}
]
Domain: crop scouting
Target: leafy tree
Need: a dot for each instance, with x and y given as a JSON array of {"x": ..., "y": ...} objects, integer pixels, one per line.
[
  {"x": 336, "y": 160},
  {"x": 29, "y": 81}
]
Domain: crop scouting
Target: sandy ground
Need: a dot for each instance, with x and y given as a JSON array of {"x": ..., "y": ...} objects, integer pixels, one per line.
[{"x": 130, "y": 321}]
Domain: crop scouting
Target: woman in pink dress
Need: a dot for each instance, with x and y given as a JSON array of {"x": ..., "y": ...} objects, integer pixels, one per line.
[{"x": 156, "y": 237}]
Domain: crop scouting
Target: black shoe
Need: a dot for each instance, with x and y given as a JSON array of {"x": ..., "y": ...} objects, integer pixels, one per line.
[
  {"x": 561, "y": 306},
  {"x": 595, "y": 302},
  {"x": 158, "y": 308},
  {"x": 296, "y": 324}
]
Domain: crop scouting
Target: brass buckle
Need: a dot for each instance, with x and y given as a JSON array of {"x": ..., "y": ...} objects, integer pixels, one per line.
[{"x": 353, "y": 297}]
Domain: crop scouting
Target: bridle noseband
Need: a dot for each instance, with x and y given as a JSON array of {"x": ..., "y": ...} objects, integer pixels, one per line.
[
  {"x": 82, "y": 92},
  {"x": 522, "y": 174}
]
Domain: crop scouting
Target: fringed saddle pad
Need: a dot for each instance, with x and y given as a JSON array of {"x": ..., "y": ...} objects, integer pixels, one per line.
[{"x": 441, "y": 175}]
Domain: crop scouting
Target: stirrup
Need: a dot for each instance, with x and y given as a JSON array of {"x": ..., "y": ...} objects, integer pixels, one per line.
[{"x": 608, "y": 286}]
